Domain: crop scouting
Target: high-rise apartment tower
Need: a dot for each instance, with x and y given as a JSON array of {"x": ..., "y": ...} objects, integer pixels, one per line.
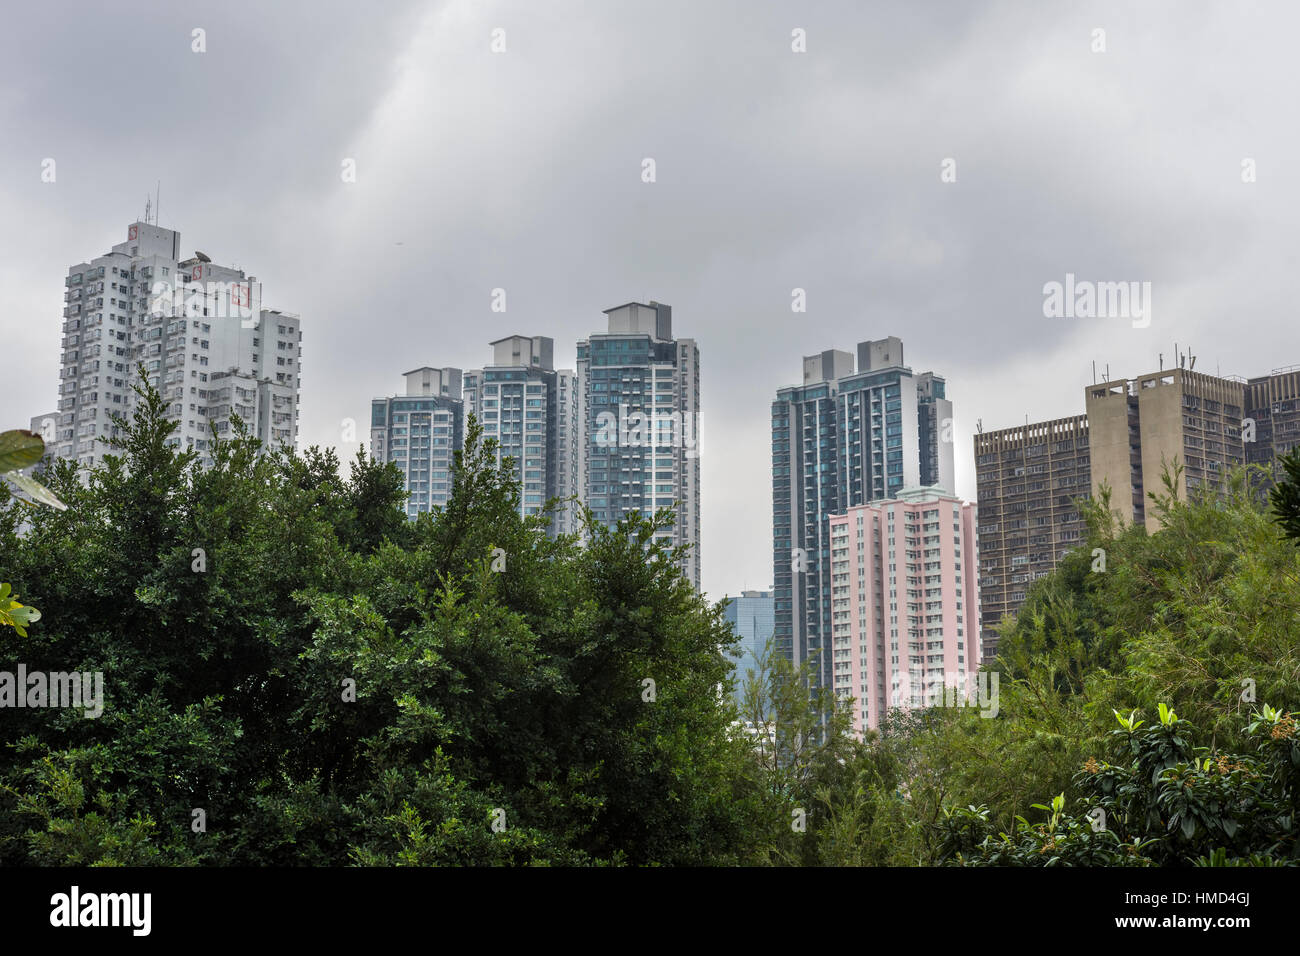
[
  {"x": 845, "y": 437},
  {"x": 201, "y": 334},
  {"x": 640, "y": 398}
]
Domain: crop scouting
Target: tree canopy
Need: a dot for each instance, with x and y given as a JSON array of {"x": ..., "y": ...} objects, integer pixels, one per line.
[{"x": 295, "y": 674}]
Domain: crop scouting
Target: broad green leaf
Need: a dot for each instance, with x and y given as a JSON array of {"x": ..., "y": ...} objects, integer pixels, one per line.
[
  {"x": 20, "y": 448},
  {"x": 24, "y": 614},
  {"x": 37, "y": 490}
]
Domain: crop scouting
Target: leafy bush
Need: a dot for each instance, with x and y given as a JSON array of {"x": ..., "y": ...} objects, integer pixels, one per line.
[{"x": 1158, "y": 801}]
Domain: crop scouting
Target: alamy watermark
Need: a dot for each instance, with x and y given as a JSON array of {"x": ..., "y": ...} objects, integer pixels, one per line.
[
  {"x": 25, "y": 688},
  {"x": 650, "y": 429},
  {"x": 128, "y": 910},
  {"x": 952, "y": 689},
  {"x": 1084, "y": 299},
  {"x": 222, "y": 300}
]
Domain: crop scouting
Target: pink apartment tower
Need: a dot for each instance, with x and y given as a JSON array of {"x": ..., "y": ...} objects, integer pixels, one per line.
[{"x": 904, "y": 604}]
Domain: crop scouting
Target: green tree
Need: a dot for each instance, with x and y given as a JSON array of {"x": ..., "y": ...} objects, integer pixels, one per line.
[
  {"x": 1285, "y": 495},
  {"x": 295, "y": 674},
  {"x": 1159, "y": 800}
]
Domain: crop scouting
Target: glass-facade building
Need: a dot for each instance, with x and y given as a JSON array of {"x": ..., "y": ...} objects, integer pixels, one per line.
[
  {"x": 845, "y": 438},
  {"x": 751, "y": 617},
  {"x": 640, "y": 394}
]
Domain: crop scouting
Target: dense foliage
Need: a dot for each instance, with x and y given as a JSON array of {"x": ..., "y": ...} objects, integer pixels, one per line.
[
  {"x": 1163, "y": 802},
  {"x": 294, "y": 674},
  {"x": 329, "y": 684}
]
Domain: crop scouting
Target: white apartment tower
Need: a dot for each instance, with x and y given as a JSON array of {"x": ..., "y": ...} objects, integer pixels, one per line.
[
  {"x": 530, "y": 408},
  {"x": 201, "y": 334},
  {"x": 421, "y": 432},
  {"x": 640, "y": 394}
]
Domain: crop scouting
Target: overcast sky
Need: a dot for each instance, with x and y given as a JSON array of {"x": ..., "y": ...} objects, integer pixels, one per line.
[{"x": 775, "y": 170}]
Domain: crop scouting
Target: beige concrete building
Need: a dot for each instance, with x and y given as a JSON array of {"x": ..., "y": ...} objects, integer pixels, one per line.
[
  {"x": 1112, "y": 413},
  {"x": 1029, "y": 476},
  {"x": 1139, "y": 426}
]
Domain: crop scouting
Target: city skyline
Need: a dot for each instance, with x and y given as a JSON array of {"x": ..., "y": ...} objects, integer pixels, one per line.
[
  {"x": 753, "y": 197},
  {"x": 235, "y": 274}
]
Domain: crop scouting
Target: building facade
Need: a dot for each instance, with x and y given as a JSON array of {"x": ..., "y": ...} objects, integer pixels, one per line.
[
  {"x": 1272, "y": 425},
  {"x": 1030, "y": 476},
  {"x": 751, "y": 616},
  {"x": 530, "y": 409},
  {"x": 194, "y": 326},
  {"x": 1028, "y": 480},
  {"x": 421, "y": 432},
  {"x": 1139, "y": 426},
  {"x": 639, "y": 394},
  {"x": 845, "y": 437},
  {"x": 47, "y": 426},
  {"x": 904, "y": 602}
]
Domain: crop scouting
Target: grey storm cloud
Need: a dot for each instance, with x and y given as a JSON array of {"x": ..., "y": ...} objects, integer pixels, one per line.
[{"x": 775, "y": 170}]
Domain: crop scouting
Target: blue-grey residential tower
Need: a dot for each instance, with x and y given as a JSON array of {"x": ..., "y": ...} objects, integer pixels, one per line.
[
  {"x": 640, "y": 394},
  {"x": 845, "y": 436}
]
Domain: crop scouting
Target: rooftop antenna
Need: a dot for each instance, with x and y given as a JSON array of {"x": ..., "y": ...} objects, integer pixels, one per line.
[
  {"x": 979, "y": 426},
  {"x": 1094, "y": 371},
  {"x": 1162, "y": 361},
  {"x": 147, "y": 205}
]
